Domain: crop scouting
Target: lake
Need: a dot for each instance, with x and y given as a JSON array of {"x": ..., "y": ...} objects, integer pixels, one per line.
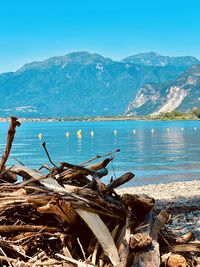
[{"x": 156, "y": 151}]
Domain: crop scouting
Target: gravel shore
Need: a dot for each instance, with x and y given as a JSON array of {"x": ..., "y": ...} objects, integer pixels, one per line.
[
  {"x": 181, "y": 198},
  {"x": 169, "y": 191}
]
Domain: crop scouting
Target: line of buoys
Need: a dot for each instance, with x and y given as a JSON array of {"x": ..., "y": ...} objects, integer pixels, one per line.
[{"x": 79, "y": 132}]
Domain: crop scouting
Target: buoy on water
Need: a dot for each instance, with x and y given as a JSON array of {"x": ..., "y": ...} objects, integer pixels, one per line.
[
  {"x": 115, "y": 132},
  {"x": 182, "y": 129},
  {"x": 195, "y": 128},
  {"x": 79, "y": 133},
  {"x": 152, "y": 130},
  {"x": 92, "y": 133},
  {"x": 167, "y": 129},
  {"x": 67, "y": 134},
  {"x": 40, "y": 136},
  {"x": 134, "y": 131}
]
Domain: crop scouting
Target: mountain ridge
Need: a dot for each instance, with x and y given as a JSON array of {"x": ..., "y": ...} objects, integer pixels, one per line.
[
  {"x": 80, "y": 84},
  {"x": 155, "y": 59},
  {"x": 181, "y": 94}
]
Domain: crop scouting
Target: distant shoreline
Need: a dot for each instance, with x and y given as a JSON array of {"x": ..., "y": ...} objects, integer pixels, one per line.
[
  {"x": 73, "y": 119},
  {"x": 99, "y": 118}
]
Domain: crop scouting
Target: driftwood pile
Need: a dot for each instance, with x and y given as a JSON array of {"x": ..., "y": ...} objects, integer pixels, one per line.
[{"x": 68, "y": 217}]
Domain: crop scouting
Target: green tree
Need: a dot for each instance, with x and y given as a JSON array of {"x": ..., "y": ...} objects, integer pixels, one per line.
[{"x": 196, "y": 112}]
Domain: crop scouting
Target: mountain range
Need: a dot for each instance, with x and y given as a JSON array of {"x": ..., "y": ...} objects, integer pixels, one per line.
[{"x": 85, "y": 84}]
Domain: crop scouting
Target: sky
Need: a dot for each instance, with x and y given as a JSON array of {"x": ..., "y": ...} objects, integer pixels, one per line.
[{"x": 34, "y": 30}]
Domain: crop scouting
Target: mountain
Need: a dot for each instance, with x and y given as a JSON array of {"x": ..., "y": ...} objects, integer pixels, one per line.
[
  {"x": 81, "y": 84},
  {"x": 154, "y": 59},
  {"x": 182, "y": 94}
]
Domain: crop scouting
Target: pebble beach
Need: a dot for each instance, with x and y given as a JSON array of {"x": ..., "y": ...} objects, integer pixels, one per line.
[
  {"x": 181, "y": 198},
  {"x": 169, "y": 191}
]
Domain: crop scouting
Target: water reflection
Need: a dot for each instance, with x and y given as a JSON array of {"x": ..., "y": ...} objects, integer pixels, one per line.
[
  {"x": 165, "y": 154},
  {"x": 79, "y": 145}
]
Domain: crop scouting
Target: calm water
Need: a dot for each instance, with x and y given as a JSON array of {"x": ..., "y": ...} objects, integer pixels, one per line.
[{"x": 170, "y": 153}]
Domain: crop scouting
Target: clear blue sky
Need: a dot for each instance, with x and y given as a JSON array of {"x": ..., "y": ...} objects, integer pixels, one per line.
[{"x": 33, "y": 30}]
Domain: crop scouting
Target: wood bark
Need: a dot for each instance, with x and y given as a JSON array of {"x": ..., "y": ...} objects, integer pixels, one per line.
[
  {"x": 99, "y": 165},
  {"x": 10, "y": 137},
  {"x": 26, "y": 228},
  {"x": 102, "y": 234},
  {"x": 189, "y": 247},
  {"x": 150, "y": 256},
  {"x": 119, "y": 181}
]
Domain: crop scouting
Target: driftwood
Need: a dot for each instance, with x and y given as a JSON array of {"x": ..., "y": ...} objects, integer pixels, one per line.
[
  {"x": 66, "y": 216},
  {"x": 26, "y": 228},
  {"x": 190, "y": 247},
  {"x": 99, "y": 165},
  {"x": 124, "y": 249},
  {"x": 61, "y": 209},
  {"x": 27, "y": 174},
  {"x": 150, "y": 257},
  {"x": 119, "y": 181},
  {"x": 10, "y": 137},
  {"x": 102, "y": 234}
]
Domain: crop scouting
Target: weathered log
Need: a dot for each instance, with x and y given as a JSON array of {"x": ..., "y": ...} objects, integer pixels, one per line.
[
  {"x": 140, "y": 204},
  {"x": 82, "y": 173},
  {"x": 96, "y": 203},
  {"x": 61, "y": 209},
  {"x": 189, "y": 247},
  {"x": 68, "y": 210},
  {"x": 9, "y": 176},
  {"x": 72, "y": 167},
  {"x": 16, "y": 193},
  {"x": 28, "y": 174},
  {"x": 119, "y": 181},
  {"x": 53, "y": 185},
  {"x": 10, "y": 137},
  {"x": 150, "y": 256},
  {"x": 99, "y": 165},
  {"x": 72, "y": 188},
  {"x": 26, "y": 228},
  {"x": 124, "y": 247}
]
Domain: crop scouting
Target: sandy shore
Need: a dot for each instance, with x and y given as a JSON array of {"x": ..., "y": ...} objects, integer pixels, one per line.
[{"x": 169, "y": 191}]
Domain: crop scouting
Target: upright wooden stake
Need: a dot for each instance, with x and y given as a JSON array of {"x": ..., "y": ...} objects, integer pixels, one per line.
[{"x": 10, "y": 137}]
